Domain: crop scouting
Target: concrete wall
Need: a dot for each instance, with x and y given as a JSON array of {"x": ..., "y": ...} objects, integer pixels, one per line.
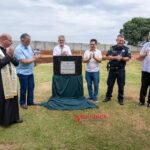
[{"x": 74, "y": 46}]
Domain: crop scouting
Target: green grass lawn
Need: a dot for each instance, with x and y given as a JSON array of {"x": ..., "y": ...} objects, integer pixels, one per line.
[{"x": 127, "y": 128}]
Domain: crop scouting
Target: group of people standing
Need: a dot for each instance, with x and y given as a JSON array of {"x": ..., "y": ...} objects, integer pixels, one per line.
[
  {"x": 20, "y": 62},
  {"x": 117, "y": 57}
]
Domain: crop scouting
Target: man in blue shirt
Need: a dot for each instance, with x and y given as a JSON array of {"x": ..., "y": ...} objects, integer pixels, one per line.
[{"x": 26, "y": 57}]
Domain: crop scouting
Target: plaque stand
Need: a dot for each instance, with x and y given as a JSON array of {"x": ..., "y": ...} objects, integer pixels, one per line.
[{"x": 67, "y": 90}]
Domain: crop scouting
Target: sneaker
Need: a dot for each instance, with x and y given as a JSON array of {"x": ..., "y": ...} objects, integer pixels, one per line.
[
  {"x": 35, "y": 104},
  {"x": 89, "y": 98},
  {"x": 148, "y": 105},
  {"x": 24, "y": 106}
]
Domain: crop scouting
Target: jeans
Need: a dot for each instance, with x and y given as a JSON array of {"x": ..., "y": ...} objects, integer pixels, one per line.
[
  {"x": 26, "y": 89},
  {"x": 92, "y": 77}
]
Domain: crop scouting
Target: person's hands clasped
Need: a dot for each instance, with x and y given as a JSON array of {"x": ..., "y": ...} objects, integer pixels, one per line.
[
  {"x": 10, "y": 51},
  {"x": 119, "y": 58},
  {"x": 64, "y": 53},
  {"x": 94, "y": 56}
]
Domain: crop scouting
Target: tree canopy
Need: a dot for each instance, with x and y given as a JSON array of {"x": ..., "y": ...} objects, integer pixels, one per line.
[{"x": 136, "y": 30}]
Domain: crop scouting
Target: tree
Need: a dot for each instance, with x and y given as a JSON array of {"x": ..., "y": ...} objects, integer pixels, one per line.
[{"x": 136, "y": 30}]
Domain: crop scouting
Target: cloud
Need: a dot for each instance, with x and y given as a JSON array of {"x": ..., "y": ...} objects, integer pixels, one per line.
[{"x": 79, "y": 20}]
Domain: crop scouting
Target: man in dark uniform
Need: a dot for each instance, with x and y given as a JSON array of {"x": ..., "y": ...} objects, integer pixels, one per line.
[{"x": 118, "y": 55}]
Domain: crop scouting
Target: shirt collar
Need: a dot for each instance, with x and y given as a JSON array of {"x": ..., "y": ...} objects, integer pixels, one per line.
[
  {"x": 26, "y": 47},
  {"x": 92, "y": 50},
  {"x": 63, "y": 46}
]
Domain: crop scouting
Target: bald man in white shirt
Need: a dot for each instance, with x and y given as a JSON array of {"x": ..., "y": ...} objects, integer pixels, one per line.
[{"x": 62, "y": 49}]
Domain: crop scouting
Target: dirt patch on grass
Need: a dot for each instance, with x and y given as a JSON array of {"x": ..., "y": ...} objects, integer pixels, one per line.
[
  {"x": 132, "y": 93},
  {"x": 43, "y": 91},
  {"x": 43, "y": 87},
  {"x": 135, "y": 121},
  {"x": 8, "y": 146}
]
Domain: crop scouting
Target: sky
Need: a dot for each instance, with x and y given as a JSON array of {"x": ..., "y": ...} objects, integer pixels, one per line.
[{"x": 78, "y": 20}]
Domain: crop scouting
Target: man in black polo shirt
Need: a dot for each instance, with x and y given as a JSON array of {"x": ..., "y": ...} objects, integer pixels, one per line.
[{"x": 118, "y": 55}]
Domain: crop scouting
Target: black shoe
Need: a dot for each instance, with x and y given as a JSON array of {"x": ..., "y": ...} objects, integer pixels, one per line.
[
  {"x": 107, "y": 99},
  {"x": 148, "y": 105},
  {"x": 19, "y": 121},
  {"x": 121, "y": 102},
  {"x": 141, "y": 104}
]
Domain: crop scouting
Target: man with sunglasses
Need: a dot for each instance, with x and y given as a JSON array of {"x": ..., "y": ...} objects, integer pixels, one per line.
[
  {"x": 62, "y": 49},
  {"x": 92, "y": 58},
  {"x": 118, "y": 55}
]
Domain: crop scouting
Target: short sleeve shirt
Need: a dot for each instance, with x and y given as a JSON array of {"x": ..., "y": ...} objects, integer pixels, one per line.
[
  {"x": 93, "y": 65},
  {"x": 115, "y": 51},
  {"x": 23, "y": 52},
  {"x": 146, "y": 61},
  {"x": 57, "y": 51}
]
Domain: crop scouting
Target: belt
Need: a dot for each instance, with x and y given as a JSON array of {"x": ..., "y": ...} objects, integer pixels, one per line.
[{"x": 116, "y": 68}]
